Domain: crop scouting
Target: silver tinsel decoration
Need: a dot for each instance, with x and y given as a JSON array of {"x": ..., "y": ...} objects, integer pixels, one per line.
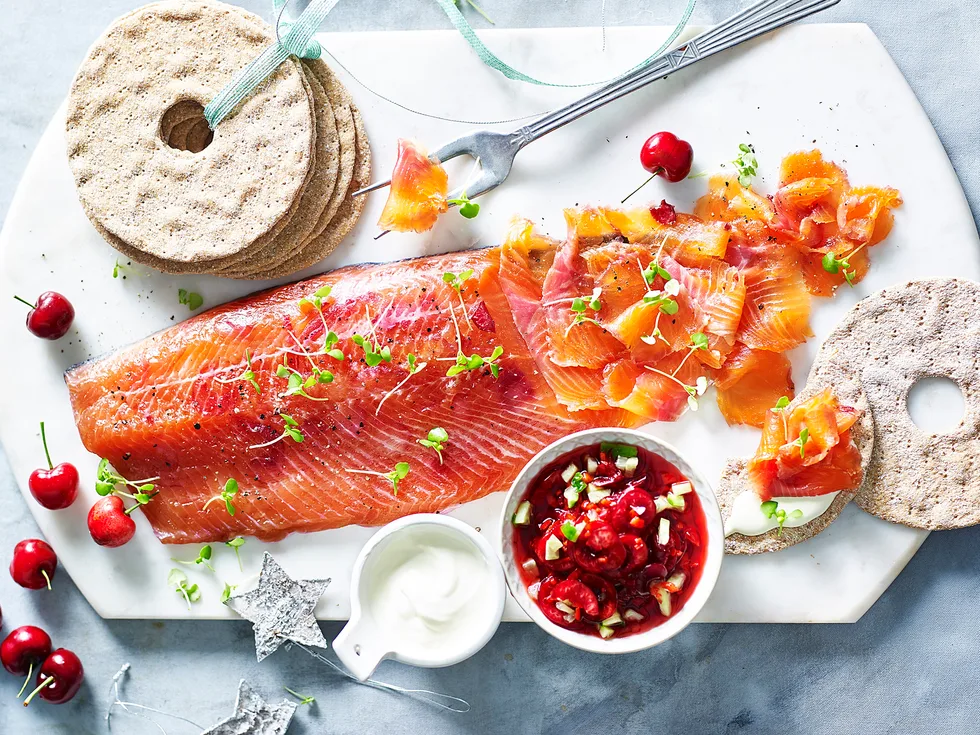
[
  {"x": 254, "y": 716},
  {"x": 281, "y": 609}
]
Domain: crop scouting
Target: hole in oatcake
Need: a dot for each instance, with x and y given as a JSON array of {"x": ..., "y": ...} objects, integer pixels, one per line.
[
  {"x": 184, "y": 128},
  {"x": 936, "y": 404}
]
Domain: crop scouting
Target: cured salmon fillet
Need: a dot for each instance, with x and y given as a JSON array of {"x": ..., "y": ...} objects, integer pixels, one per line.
[{"x": 159, "y": 408}]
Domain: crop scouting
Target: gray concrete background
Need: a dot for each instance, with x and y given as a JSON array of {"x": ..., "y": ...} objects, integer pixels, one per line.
[{"x": 909, "y": 665}]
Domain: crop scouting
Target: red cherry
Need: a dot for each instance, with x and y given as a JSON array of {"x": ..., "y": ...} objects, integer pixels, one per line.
[
  {"x": 59, "y": 678},
  {"x": 50, "y": 317},
  {"x": 57, "y": 486},
  {"x": 34, "y": 564},
  {"x": 23, "y": 649},
  {"x": 664, "y": 154},
  {"x": 108, "y": 522}
]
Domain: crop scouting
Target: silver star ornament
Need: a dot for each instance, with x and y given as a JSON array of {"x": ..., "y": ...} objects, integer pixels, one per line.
[
  {"x": 281, "y": 609},
  {"x": 254, "y": 716}
]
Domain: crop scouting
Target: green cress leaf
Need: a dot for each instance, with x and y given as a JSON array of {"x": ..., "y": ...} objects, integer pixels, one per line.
[
  {"x": 699, "y": 341},
  {"x": 399, "y": 473},
  {"x": 191, "y": 300},
  {"x": 782, "y": 403},
  {"x": 618, "y": 450},
  {"x": 768, "y": 508},
  {"x": 226, "y": 592}
]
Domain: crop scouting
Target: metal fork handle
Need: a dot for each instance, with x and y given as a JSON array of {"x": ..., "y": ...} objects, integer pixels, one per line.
[{"x": 756, "y": 20}]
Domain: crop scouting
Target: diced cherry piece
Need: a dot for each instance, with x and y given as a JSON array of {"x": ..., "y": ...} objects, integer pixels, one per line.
[
  {"x": 605, "y": 593},
  {"x": 637, "y": 552},
  {"x": 563, "y": 563},
  {"x": 600, "y": 535},
  {"x": 607, "y": 560},
  {"x": 547, "y": 585},
  {"x": 622, "y": 511},
  {"x": 691, "y": 536},
  {"x": 653, "y": 571},
  {"x": 665, "y": 213},
  {"x": 576, "y": 594}
]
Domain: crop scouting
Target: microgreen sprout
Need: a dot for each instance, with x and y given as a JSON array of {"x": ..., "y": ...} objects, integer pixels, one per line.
[
  {"x": 475, "y": 362},
  {"x": 297, "y": 384},
  {"x": 117, "y": 269},
  {"x": 771, "y": 509},
  {"x": 374, "y": 353},
  {"x": 579, "y": 306},
  {"x": 400, "y": 472},
  {"x": 699, "y": 341},
  {"x": 226, "y": 592},
  {"x": 801, "y": 441},
  {"x": 746, "y": 163},
  {"x": 463, "y": 362},
  {"x": 330, "y": 337},
  {"x": 436, "y": 439},
  {"x": 290, "y": 429},
  {"x": 832, "y": 264},
  {"x": 455, "y": 282},
  {"x": 226, "y": 496},
  {"x": 302, "y": 698},
  {"x": 316, "y": 300},
  {"x": 412, "y": 367},
  {"x": 107, "y": 481},
  {"x": 235, "y": 544},
  {"x": 203, "y": 557},
  {"x": 665, "y": 300},
  {"x": 467, "y": 207},
  {"x": 191, "y": 300},
  {"x": 178, "y": 580},
  {"x": 247, "y": 375},
  {"x": 781, "y": 406}
]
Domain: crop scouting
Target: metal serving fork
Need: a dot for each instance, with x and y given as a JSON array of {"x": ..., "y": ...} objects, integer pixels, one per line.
[{"x": 495, "y": 152}]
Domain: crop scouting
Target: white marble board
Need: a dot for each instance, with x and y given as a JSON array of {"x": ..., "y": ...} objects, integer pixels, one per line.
[{"x": 830, "y": 86}]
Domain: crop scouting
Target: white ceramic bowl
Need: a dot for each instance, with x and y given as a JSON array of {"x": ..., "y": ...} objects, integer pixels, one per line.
[
  {"x": 709, "y": 574},
  {"x": 363, "y": 643}
]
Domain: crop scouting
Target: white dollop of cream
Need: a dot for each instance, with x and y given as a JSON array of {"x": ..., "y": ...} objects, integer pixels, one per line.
[
  {"x": 748, "y": 519},
  {"x": 431, "y": 592}
]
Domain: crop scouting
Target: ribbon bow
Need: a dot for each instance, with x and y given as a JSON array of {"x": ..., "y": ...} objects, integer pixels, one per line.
[{"x": 297, "y": 40}]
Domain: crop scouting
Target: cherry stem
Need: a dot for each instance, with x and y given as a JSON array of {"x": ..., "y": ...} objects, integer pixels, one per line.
[
  {"x": 44, "y": 441},
  {"x": 47, "y": 682},
  {"x": 130, "y": 509},
  {"x": 46, "y": 578},
  {"x": 24, "y": 301},
  {"x": 30, "y": 673},
  {"x": 654, "y": 175}
]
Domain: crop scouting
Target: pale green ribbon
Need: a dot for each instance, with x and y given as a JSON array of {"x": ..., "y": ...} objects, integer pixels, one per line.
[
  {"x": 495, "y": 62},
  {"x": 296, "y": 39}
]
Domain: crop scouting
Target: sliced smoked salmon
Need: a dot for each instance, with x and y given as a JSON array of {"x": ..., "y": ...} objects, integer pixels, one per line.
[
  {"x": 417, "y": 195},
  {"x": 750, "y": 383},
  {"x": 807, "y": 450}
]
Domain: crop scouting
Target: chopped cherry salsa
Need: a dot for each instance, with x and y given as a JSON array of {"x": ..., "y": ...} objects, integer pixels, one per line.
[{"x": 609, "y": 540}]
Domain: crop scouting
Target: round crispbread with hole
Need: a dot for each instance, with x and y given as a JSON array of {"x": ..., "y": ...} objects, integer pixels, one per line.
[
  {"x": 318, "y": 200},
  {"x": 336, "y": 219},
  {"x": 894, "y": 338},
  {"x": 347, "y": 216},
  {"x": 735, "y": 479},
  {"x": 175, "y": 206}
]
